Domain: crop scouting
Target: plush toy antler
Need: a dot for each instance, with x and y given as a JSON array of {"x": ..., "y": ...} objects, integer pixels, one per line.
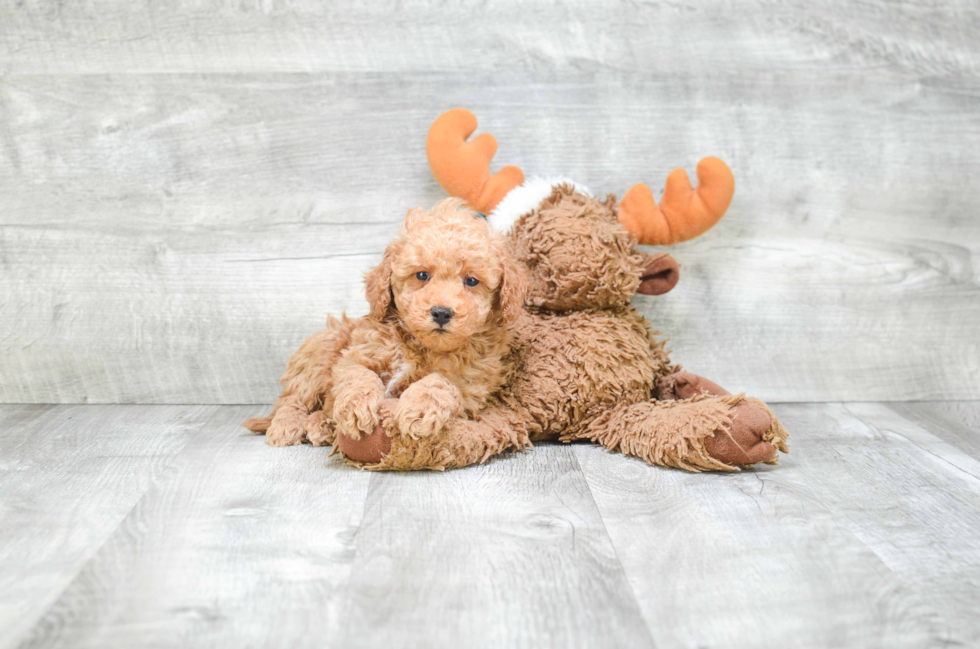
[
  {"x": 684, "y": 212},
  {"x": 463, "y": 168}
]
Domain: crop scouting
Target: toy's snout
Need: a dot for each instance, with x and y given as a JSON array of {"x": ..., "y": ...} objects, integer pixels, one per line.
[{"x": 660, "y": 274}]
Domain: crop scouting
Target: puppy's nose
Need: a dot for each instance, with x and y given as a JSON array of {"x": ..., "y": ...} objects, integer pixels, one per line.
[{"x": 441, "y": 315}]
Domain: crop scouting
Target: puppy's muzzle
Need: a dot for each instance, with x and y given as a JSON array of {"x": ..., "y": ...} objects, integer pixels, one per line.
[{"x": 441, "y": 315}]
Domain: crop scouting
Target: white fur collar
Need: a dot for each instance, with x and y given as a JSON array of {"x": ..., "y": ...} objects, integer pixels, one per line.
[{"x": 524, "y": 198}]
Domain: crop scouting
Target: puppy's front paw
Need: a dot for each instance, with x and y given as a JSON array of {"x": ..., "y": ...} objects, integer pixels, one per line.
[
  {"x": 419, "y": 419},
  {"x": 320, "y": 429},
  {"x": 427, "y": 406},
  {"x": 358, "y": 414},
  {"x": 285, "y": 432}
]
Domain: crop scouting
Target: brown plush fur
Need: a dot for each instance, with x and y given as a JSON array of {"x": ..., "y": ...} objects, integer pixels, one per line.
[
  {"x": 588, "y": 366},
  {"x": 339, "y": 378}
]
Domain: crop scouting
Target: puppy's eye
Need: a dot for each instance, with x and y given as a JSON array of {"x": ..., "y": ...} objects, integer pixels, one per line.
[
  {"x": 422, "y": 276},
  {"x": 471, "y": 281}
]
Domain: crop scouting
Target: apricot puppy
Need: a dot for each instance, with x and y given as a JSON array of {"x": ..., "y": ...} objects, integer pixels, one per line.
[{"x": 436, "y": 337}]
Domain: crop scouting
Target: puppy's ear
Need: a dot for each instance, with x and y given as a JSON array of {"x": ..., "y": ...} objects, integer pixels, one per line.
[
  {"x": 377, "y": 288},
  {"x": 512, "y": 289}
]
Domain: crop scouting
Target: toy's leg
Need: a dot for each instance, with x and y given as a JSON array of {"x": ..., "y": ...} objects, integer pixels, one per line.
[
  {"x": 748, "y": 434},
  {"x": 463, "y": 442},
  {"x": 684, "y": 385},
  {"x": 700, "y": 434}
]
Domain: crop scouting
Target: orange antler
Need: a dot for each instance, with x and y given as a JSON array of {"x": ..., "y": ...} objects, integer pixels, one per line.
[
  {"x": 684, "y": 212},
  {"x": 463, "y": 168}
]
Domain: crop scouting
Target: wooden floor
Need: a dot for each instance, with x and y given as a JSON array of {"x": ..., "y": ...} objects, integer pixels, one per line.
[{"x": 127, "y": 526}]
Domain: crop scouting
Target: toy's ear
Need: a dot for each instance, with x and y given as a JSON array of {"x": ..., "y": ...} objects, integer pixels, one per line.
[
  {"x": 660, "y": 274},
  {"x": 512, "y": 290},
  {"x": 377, "y": 288}
]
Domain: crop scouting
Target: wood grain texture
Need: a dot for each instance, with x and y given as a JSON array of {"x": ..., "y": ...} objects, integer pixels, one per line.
[
  {"x": 137, "y": 526},
  {"x": 241, "y": 544},
  {"x": 68, "y": 477},
  {"x": 247, "y": 545},
  {"x": 513, "y": 554},
  {"x": 700, "y": 39},
  {"x": 186, "y": 190},
  {"x": 955, "y": 422},
  {"x": 865, "y": 535}
]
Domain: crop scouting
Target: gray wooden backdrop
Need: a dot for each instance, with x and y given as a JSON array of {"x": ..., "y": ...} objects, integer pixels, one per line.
[{"x": 187, "y": 188}]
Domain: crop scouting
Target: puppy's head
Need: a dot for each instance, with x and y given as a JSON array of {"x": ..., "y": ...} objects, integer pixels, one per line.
[{"x": 447, "y": 276}]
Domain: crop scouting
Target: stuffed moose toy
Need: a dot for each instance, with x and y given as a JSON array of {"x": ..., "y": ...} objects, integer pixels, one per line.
[{"x": 586, "y": 364}]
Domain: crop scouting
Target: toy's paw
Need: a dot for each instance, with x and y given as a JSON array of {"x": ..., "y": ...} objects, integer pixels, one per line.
[
  {"x": 285, "y": 432},
  {"x": 320, "y": 429},
  {"x": 356, "y": 413},
  {"x": 427, "y": 406},
  {"x": 751, "y": 438},
  {"x": 684, "y": 385},
  {"x": 370, "y": 448}
]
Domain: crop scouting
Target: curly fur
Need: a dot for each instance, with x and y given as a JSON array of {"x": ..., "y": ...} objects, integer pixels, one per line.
[
  {"x": 588, "y": 366},
  {"x": 578, "y": 254},
  {"x": 339, "y": 378}
]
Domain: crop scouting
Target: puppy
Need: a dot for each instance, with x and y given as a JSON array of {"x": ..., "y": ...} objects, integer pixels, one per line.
[{"x": 436, "y": 337}]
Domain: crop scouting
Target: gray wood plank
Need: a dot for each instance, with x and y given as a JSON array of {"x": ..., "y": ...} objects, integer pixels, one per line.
[
  {"x": 966, "y": 413},
  {"x": 145, "y": 525},
  {"x": 702, "y": 39},
  {"x": 955, "y": 422},
  {"x": 173, "y": 238},
  {"x": 249, "y": 545},
  {"x": 68, "y": 476},
  {"x": 241, "y": 544},
  {"x": 511, "y": 554},
  {"x": 865, "y": 536}
]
